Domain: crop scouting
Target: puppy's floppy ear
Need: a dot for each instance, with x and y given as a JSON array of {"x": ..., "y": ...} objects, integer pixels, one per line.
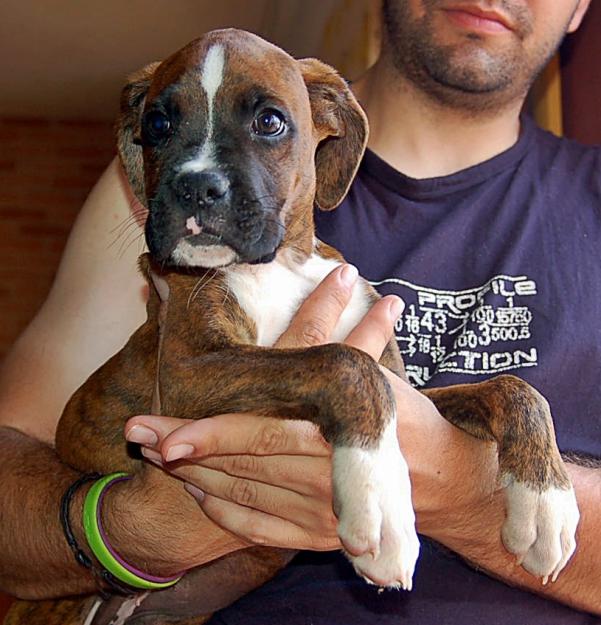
[
  {"x": 342, "y": 128},
  {"x": 128, "y": 127}
]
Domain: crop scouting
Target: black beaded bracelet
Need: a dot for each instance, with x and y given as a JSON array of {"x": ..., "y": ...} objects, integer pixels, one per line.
[{"x": 81, "y": 557}]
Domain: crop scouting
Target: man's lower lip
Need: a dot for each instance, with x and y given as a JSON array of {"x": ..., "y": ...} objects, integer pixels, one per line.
[{"x": 473, "y": 22}]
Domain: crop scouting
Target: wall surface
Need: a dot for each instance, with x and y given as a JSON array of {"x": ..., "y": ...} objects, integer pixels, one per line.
[
  {"x": 581, "y": 79},
  {"x": 62, "y": 59},
  {"x": 46, "y": 170}
]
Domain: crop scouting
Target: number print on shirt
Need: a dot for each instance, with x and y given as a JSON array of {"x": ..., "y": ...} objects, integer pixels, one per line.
[{"x": 479, "y": 331}]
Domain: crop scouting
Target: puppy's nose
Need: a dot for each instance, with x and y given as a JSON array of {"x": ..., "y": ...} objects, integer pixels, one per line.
[{"x": 201, "y": 188}]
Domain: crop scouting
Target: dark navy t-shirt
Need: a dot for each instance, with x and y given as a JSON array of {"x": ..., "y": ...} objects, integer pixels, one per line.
[{"x": 500, "y": 269}]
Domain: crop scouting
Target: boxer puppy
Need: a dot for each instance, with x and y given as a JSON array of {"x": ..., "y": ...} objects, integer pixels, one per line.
[{"x": 229, "y": 143}]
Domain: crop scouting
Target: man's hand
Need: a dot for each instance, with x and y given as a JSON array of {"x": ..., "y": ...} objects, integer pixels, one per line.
[{"x": 269, "y": 480}]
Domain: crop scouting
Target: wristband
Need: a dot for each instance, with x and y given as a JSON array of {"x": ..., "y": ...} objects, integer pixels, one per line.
[
  {"x": 101, "y": 547},
  {"x": 102, "y": 575}
]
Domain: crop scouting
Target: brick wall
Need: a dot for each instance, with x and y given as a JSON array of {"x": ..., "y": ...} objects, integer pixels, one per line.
[{"x": 46, "y": 171}]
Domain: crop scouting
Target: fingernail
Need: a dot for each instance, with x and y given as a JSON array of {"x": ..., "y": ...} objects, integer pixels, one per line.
[
  {"x": 152, "y": 455},
  {"x": 348, "y": 275},
  {"x": 396, "y": 307},
  {"x": 198, "y": 494},
  {"x": 179, "y": 451},
  {"x": 143, "y": 435}
]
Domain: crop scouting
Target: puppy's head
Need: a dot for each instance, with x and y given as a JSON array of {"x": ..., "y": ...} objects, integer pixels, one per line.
[{"x": 229, "y": 141}]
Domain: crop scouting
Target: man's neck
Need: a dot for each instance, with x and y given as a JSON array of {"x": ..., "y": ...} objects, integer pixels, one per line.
[{"x": 422, "y": 138}]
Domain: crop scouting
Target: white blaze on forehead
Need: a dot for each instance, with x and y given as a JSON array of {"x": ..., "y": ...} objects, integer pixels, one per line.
[
  {"x": 212, "y": 77},
  {"x": 212, "y": 72}
]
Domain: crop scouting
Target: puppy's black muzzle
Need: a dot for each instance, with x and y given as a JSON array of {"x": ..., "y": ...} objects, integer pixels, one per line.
[{"x": 222, "y": 212}]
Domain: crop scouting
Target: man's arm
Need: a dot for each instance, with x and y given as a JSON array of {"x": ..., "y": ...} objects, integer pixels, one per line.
[
  {"x": 460, "y": 504},
  {"x": 267, "y": 480},
  {"x": 35, "y": 560},
  {"x": 83, "y": 321},
  {"x": 96, "y": 302}
]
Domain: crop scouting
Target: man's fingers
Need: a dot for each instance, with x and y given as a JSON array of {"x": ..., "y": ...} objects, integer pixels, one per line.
[
  {"x": 251, "y": 493},
  {"x": 314, "y": 514},
  {"x": 375, "y": 330},
  {"x": 306, "y": 475},
  {"x": 149, "y": 430},
  {"x": 317, "y": 317},
  {"x": 260, "y": 528},
  {"x": 228, "y": 434}
]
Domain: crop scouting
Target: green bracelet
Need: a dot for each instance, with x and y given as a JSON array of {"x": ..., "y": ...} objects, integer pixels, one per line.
[{"x": 101, "y": 547}]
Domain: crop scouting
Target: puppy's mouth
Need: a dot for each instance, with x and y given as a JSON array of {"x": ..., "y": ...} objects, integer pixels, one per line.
[
  {"x": 212, "y": 235},
  {"x": 201, "y": 234},
  {"x": 200, "y": 244},
  {"x": 208, "y": 256}
]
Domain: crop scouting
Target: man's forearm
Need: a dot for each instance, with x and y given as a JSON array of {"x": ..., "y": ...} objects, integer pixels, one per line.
[
  {"x": 478, "y": 539},
  {"x": 35, "y": 560}
]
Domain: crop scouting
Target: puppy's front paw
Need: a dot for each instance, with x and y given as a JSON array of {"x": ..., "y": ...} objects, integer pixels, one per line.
[
  {"x": 376, "y": 518},
  {"x": 540, "y": 528},
  {"x": 394, "y": 563}
]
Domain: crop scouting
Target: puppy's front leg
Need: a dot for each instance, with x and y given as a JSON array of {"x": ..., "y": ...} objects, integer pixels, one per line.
[
  {"x": 342, "y": 390},
  {"x": 541, "y": 509}
]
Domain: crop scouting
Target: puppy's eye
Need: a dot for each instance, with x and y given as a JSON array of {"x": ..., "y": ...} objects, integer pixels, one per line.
[
  {"x": 269, "y": 123},
  {"x": 157, "y": 124}
]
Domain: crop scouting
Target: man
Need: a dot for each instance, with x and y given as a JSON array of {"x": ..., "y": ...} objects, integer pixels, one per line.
[{"x": 444, "y": 105}]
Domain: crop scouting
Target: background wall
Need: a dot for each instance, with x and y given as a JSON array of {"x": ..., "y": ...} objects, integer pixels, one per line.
[
  {"x": 581, "y": 79},
  {"x": 46, "y": 170}
]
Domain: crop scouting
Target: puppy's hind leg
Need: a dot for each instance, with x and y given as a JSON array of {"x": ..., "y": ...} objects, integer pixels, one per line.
[{"x": 541, "y": 509}]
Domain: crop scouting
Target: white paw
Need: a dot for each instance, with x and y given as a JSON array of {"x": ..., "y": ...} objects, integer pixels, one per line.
[
  {"x": 540, "y": 528},
  {"x": 376, "y": 520}
]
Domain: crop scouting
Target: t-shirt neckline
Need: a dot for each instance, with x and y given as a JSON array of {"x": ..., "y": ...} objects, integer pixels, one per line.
[{"x": 420, "y": 188}]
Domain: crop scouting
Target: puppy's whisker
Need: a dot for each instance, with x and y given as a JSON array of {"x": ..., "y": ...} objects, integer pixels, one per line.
[
  {"x": 132, "y": 218},
  {"x": 207, "y": 281},
  {"x": 296, "y": 219},
  {"x": 123, "y": 237},
  {"x": 191, "y": 295},
  {"x": 227, "y": 294},
  {"x": 131, "y": 238},
  {"x": 206, "y": 277},
  {"x": 125, "y": 230}
]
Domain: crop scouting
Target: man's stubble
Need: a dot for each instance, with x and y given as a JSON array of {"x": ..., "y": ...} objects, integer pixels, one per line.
[{"x": 469, "y": 75}]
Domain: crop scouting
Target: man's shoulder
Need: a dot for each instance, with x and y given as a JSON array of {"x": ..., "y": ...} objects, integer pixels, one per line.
[
  {"x": 566, "y": 170},
  {"x": 550, "y": 143}
]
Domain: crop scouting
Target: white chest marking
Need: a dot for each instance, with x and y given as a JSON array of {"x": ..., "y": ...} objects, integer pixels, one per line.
[
  {"x": 271, "y": 294},
  {"x": 212, "y": 77}
]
